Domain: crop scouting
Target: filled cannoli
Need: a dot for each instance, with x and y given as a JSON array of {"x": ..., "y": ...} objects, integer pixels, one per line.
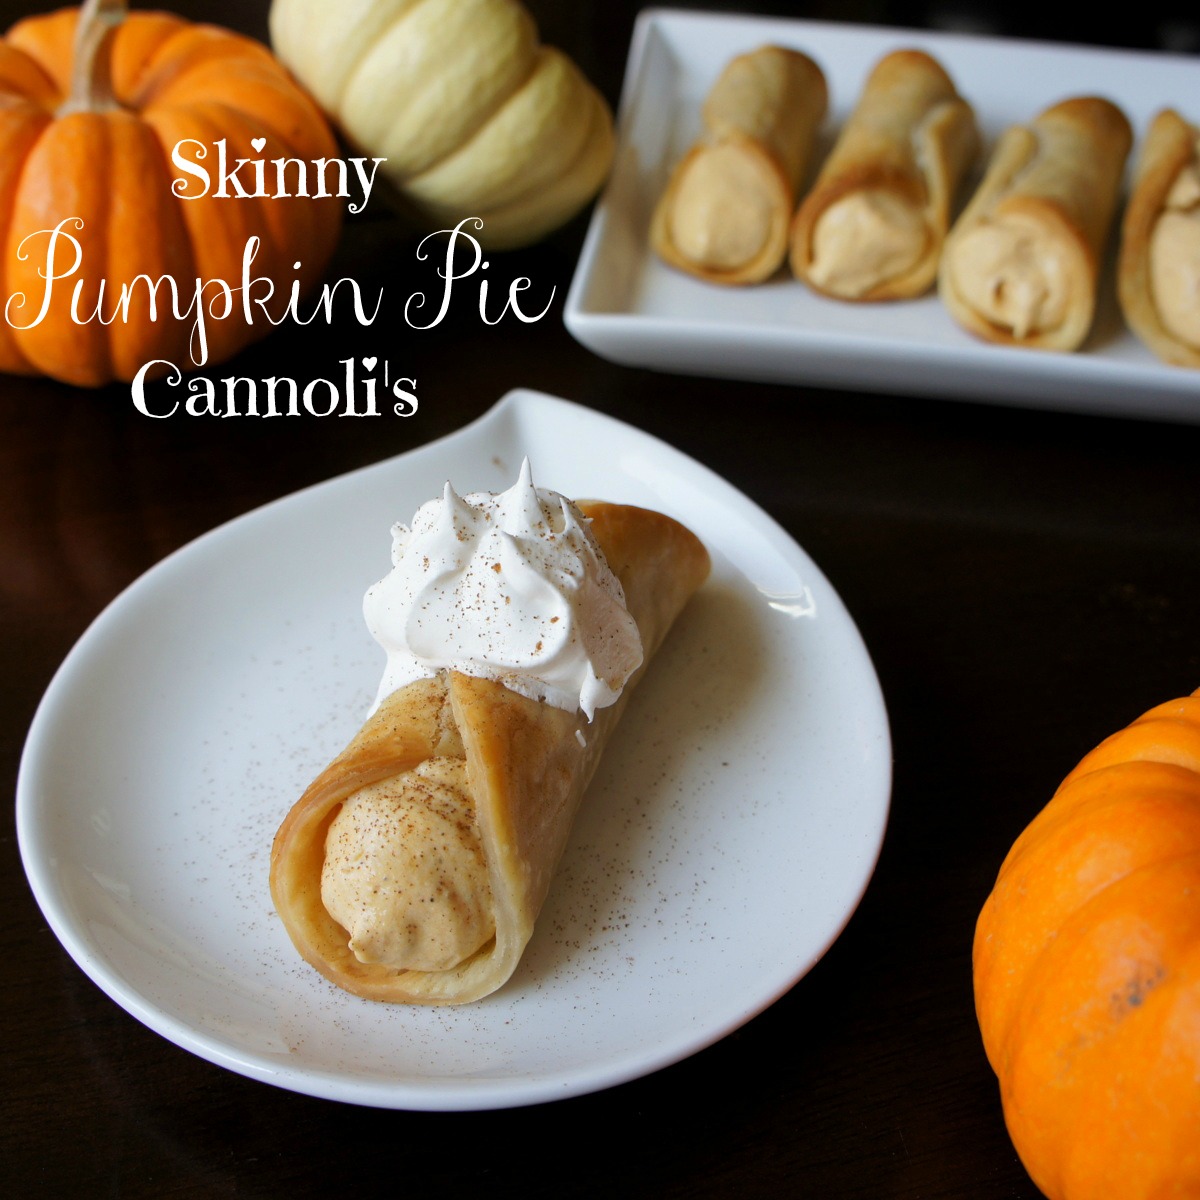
[
  {"x": 725, "y": 211},
  {"x": 414, "y": 867},
  {"x": 1022, "y": 263},
  {"x": 873, "y": 225},
  {"x": 1158, "y": 274}
]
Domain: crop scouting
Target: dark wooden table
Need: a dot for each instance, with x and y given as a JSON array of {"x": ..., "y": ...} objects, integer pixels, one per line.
[{"x": 1026, "y": 581}]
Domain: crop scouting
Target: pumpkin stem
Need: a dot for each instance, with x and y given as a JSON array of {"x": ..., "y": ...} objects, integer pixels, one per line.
[{"x": 91, "y": 77}]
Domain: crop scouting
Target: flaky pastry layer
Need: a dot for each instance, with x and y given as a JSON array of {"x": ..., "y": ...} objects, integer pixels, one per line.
[{"x": 1171, "y": 148}]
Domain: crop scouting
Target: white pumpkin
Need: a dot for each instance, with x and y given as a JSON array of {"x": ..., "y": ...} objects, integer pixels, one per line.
[{"x": 474, "y": 116}]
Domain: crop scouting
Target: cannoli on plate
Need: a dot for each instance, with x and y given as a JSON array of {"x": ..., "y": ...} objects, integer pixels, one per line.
[
  {"x": 873, "y": 225},
  {"x": 413, "y": 868},
  {"x": 724, "y": 214},
  {"x": 1158, "y": 274},
  {"x": 1022, "y": 263}
]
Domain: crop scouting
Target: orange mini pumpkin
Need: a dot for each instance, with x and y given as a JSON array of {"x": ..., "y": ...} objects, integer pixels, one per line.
[
  {"x": 92, "y": 102},
  {"x": 1087, "y": 971}
]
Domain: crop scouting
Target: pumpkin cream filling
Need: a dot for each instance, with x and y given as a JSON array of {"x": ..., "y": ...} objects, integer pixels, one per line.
[
  {"x": 864, "y": 240},
  {"x": 1175, "y": 257},
  {"x": 1013, "y": 274},
  {"x": 723, "y": 209},
  {"x": 405, "y": 873}
]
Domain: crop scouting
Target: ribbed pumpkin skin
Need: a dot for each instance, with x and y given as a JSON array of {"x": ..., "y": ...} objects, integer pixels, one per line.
[
  {"x": 474, "y": 117},
  {"x": 1087, "y": 971},
  {"x": 112, "y": 169}
]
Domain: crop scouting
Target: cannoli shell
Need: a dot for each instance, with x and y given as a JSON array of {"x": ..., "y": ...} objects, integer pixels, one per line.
[
  {"x": 911, "y": 135},
  {"x": 528, "y": 764},
  {"x": 765, "y": 109},
  {"x": 1170, "y": 146},
  {"x": 1062, "y": 173}
]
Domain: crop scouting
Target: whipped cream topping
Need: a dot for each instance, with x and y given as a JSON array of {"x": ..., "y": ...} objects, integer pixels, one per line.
[{"x": 511, "y": 587}]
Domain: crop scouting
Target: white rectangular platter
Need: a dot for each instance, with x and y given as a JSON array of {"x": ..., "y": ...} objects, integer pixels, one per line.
[{"x": 628, "y": 307}]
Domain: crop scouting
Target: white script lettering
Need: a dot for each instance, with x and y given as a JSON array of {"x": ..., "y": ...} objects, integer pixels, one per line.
[{"x": 249, "y": 178}]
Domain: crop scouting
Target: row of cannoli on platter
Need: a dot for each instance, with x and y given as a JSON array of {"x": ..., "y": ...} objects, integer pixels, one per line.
[{"x": 1019, "y": 266}]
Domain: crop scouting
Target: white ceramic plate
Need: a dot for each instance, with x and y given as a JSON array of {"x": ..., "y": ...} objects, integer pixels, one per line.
[
  {"x": 627, "y": 306},
  {"x": 725, "y": 841}
]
